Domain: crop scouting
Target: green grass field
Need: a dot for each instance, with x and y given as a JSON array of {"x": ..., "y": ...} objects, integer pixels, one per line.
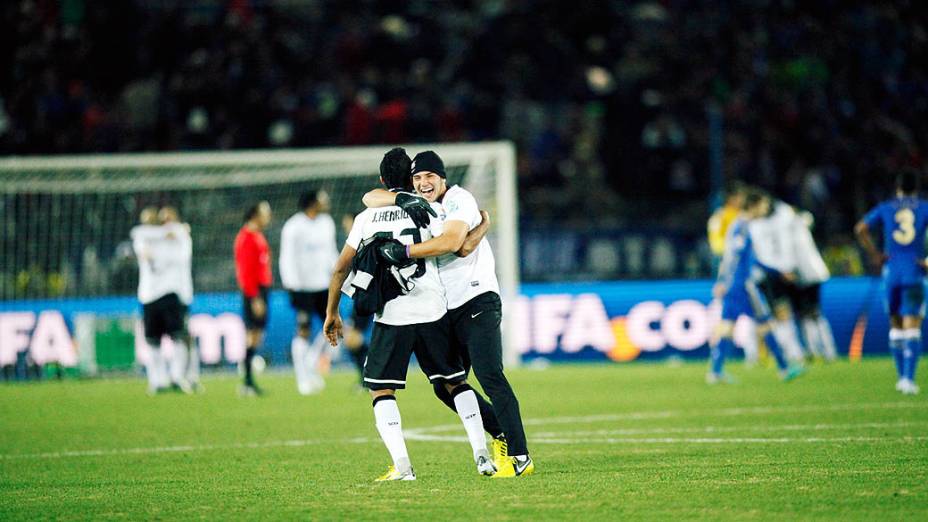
[{"x": 610, "y": 441}]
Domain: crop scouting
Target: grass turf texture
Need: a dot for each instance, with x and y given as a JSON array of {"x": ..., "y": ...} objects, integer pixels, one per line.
[{"x": 610, "y": 441}]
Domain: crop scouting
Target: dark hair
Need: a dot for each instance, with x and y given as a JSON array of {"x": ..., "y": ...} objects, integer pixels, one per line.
[
  {"x": 734, "y": 187},
  {"x": 252, "y": 211},
  {"x": 396, "y": 169},
  {"x": 308, "y": 198},
  {"x": 752, "y": 197},
  {"x": 908, "y": 181}
]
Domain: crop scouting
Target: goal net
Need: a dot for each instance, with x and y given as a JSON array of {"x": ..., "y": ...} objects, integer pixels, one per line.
[{"x": 66, "y": 219}]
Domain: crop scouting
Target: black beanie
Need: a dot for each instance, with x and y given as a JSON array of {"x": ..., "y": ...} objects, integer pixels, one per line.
[{"x": 428, "y": 161}]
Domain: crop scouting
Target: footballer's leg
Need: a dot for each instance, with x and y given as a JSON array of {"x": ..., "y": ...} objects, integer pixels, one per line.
[
  {"x": 719, "y": 351},
  {"x": 490, "y": 423},
  {"x": 299, "y": 345},
  {"x": 766, "y": 327},
  {"x": 384, "y": 373},
  {"x": 476, "y": 325},
  {"x": 153, "y": 327},
  {"x": 913, "y": 304},
  {"x": 444, "y": 367},
  {"x": 255, "y": 316}
]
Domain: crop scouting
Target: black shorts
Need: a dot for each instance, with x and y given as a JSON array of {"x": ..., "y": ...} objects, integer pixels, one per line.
[
  {"x": 775, "y": 289},
  {"x": 253, "y": 322},
  {"x": 806, "y": 300},
  {"x": 308, "y": 303},
  {"x": 475, "y": 331},
  {"x": 361, "y": 322},
  {"x": 166, "y": 315},
  {"x": 391, "y": 347}
]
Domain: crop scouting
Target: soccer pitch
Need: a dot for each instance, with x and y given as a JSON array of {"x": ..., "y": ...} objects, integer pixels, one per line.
[{"x": 645, "y": 441}]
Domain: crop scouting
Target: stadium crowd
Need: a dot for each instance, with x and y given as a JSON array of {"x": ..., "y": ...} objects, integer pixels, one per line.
[{"x": 608, "y": 102}]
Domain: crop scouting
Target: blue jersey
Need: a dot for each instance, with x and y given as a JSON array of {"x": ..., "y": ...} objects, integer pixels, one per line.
[
  {"x": 738, "y": 258},
  {"x": 736, "y": 272},
  {"x": 903, "y": 222}
]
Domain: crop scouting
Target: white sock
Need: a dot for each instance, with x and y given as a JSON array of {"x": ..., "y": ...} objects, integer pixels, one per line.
[
  {"x": 390, "y": 426},
  {"x": 193, "y": 366},
  {"x": 750, "y": 343},
  {"x": 785, "y": 332},
  {"x": 298, "y": 349},
  {"x": 178, "y": 363},
  {"x": 469, "y": 411},
  {"x": 313, "y": 354},
  {"x": 155, "y": 368},
  {"x": 828, "y": 338},
  {"x": 813, "y": 336}
]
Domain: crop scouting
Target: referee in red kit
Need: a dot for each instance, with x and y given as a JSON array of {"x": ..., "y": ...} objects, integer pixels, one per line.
[{"x": 253, "y": 272}]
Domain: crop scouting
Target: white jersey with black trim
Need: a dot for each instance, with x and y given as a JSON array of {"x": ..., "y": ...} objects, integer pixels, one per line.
[
  {"x": 426, "y": 302},
  {"x": 165, "y": 257},
  {"x": 772, "y": 239},
  {"x": 464, "y": 277},
  {"x": 810, "y": 267},
  {"x": 308, "y": 252}
]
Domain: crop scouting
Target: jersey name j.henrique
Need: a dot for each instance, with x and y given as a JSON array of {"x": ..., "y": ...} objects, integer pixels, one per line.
[
  {"x": 464, "y": 277},
  {"x": 425, "y": 303}
]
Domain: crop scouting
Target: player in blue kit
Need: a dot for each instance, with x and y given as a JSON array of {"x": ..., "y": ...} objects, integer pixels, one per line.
[
  {"x": 737, "y": 288},
  {"x": 903, "y": 222}
]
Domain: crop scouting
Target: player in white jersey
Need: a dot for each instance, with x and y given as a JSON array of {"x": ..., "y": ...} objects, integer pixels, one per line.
[
  {"x": 416, "y": 322},
  {"x": 185, "y": 363},
  {"x": 165, "y": 289},
  {"x": 806, "y": 298},
  {"x": 307, "y": 258},
  {"x": 474, "y": 305},
  {"x": 776, "y": 255}
]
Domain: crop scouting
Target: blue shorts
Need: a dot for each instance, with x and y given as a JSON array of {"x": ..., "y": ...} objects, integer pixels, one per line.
[
  {"x": 745, "y": 300},
  {"x": 905, "y": 300}
]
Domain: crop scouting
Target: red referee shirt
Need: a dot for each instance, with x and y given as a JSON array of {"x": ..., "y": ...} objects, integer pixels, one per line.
[{"x": 252, "y": 261}]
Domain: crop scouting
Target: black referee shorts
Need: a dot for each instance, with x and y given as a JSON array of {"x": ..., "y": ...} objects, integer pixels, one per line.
[
  {"x": 252, "y": 321},
  {"x": 390, "y": 349},
  {"x": 166, "y": 315},
  {"x": 308, "y": 303}
]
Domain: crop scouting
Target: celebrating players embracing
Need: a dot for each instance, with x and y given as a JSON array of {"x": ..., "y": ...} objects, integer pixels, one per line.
[
  {"x": 474, "y": 305},
  {"x": 414, "y": 322}
]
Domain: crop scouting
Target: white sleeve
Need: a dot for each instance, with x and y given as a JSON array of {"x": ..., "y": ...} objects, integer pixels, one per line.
[
  {"x": 357, "y": 229},
  {"x": 288, "y": 271},
  {"x": 784, "y": 231},
  {"x": 463, "y": 207}
]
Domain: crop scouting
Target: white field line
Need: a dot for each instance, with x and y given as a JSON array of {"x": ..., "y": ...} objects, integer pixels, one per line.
[
  {"x": 425, "y": 434},
  {"x": 730, "y": 429},
  {"x": 723, "y": 412},
  {"x": 178, "y": 449}
]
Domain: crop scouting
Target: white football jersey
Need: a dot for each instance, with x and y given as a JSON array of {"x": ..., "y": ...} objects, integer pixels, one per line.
[
  {"x": 772, "y": 239},
  {"x": 810, "y": 267},
  {"x": 464, "y": 277},
  {"x": 426, "y": 302},
  {"x": 165, "y": 257},
  {"x": 308, "y": 252}
]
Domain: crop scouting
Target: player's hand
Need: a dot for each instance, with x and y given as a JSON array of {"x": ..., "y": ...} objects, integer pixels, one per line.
[
  {"x": 332, "y": 328},
  {"x": 485, "y": 217},
  {"x": 877, "y": 260},
  {"x": 258, "y": 307},
  {"x": 923, "y": 263},
  {"x": 417, "y": 207},
  {"x": 394, "y": 253},
  {"x": 790, "y": 277},
  {"x": 718, "y": 291}
]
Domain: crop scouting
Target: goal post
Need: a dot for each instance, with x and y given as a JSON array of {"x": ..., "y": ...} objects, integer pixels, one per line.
[{"x": 66, "y": 218}]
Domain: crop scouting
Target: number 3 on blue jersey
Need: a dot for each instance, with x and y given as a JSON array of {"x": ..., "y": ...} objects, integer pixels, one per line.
[{"x": 905, "y": 234}]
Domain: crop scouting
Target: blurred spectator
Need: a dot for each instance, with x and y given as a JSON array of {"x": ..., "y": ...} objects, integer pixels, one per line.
[{"x": 606, "y": 101}]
